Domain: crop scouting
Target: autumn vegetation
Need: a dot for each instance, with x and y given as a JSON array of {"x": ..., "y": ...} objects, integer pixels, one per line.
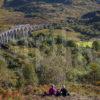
[{"x": 68, "y": 54}]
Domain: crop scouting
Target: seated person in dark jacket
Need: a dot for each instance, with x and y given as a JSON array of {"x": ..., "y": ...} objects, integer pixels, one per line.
[
  {"x": 64, "y": 91},
  {"x": 58, "y": 93}
]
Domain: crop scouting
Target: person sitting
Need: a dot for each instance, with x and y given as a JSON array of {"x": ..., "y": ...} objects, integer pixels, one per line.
[
  {"x": 52, "y": 90},
  {"x": 58, "y": 93},
  {"x": 64, "y": 91}
]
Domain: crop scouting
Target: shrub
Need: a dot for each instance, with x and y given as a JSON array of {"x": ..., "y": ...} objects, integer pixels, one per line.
[
  {"x": 93, "y": 74},
  {"x": 71, "y": 43},
  {"x": 75, "y": 74},
  {"x": 95, "y": 69},
  {"x": 29, "y": 74},
  {"x": 59, "y": 39},
  {"x": 22, "y": 42},
  {"x": 7, "y": 76},
  {"x": 96, "y": 45},
  {"x": 51, "y": 74}
]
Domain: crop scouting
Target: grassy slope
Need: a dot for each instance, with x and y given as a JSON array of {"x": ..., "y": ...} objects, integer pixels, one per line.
[
  {"x": 10, "y": 17},
  {"x": 21, "y": 53}
]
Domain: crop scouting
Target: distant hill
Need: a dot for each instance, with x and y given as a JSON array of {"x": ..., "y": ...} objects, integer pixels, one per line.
[
  {"x": 39, "y": 11},
  {"x": 21, "y": 2},
  {"x": 92, "y": 16}
]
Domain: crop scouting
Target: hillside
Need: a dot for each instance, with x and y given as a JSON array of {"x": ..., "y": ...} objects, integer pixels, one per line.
[
  {"x": 50, "y": 56},
  {"x": 50, "y": 12},
  {"x": 64, "y": 50},
  {"x": 26, "y": 11}
]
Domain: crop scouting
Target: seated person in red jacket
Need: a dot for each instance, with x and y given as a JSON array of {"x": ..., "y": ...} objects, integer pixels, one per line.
[{"x": 52, "y": 90}]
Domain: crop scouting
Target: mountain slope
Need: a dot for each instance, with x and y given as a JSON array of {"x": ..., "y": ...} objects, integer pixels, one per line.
[
  {"x": 31, "y": 11},
  {"x": 19, "y": 2}
]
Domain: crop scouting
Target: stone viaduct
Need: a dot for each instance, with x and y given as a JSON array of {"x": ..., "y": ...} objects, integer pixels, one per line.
[
  {"x": 24, "y": 30},
  {"x": 20, "y": 31}
]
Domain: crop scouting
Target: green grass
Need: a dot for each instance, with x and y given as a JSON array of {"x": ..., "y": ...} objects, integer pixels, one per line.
[{"x": 84, "y": 44}]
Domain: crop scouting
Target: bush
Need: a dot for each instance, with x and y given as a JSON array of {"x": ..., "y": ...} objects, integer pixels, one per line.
[
  {"x": 22, "y": 42},
  {"x": 96, "y": 45},
  {"x": 59, "y": 40},
  {"x": 71, "y": 43},
  {"x": 7, "y": 76},
  {"x": 29, "y": 74},
  {"x": 54, "y": 75},
  {"x": 93, "y": 74},
  {"x": 95, "y": 70},
  {"x": 75, "y": 74}
]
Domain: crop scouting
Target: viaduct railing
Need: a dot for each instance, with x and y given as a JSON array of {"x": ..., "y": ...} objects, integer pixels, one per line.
[
  {"x": 24, "y": 30},
  {"x": 20, "y": 31}
]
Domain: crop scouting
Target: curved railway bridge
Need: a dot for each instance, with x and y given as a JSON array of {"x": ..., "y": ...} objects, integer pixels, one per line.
[
  {"x": 25, "y": 30},
  {"x": 22, "y": 31}
]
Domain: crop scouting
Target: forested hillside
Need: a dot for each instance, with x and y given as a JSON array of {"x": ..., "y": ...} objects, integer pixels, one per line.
[{"x": 67, "y": 52}]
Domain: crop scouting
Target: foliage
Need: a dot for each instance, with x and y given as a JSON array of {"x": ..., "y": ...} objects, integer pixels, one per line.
[
  {"x": 7, "y": 77},
  {"x": 48, "y": 58},
  {"x": 30, "y": 74},
  {"x": 96, "y": 45},
  {"x": 71, "y": 43},
  {"x": 51, "y": 74},
  {"x": 55, "y": 55}
]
